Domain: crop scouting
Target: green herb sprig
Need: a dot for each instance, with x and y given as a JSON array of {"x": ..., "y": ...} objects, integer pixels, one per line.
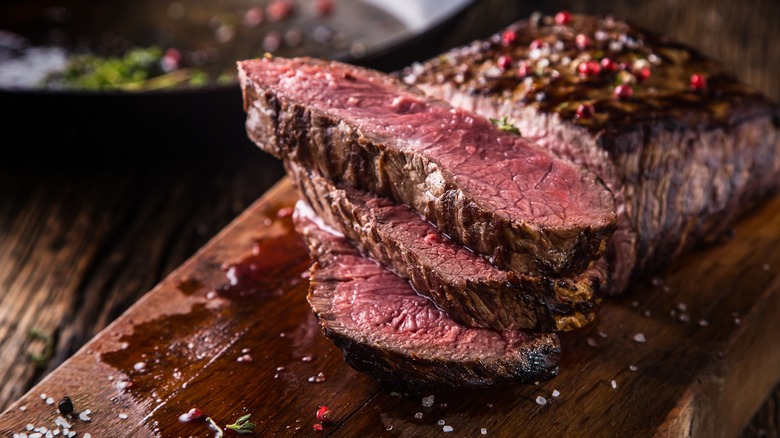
[
  {"x": 504, "y": 125},
  {"x": 242, "y": 425}
]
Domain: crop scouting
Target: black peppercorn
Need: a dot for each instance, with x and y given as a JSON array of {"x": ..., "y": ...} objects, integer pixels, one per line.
[{"x": 65, "y": 406}]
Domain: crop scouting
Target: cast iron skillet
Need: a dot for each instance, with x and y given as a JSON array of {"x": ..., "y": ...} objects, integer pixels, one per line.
[{"x": 66, "y": 124}]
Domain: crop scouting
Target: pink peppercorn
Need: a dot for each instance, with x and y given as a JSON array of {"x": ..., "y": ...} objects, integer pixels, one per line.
[
  {"x": 563, "y": 17},
  {"x": 623, "y": 91}
]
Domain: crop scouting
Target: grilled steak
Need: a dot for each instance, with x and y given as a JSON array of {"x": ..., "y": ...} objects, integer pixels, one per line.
[
  {"x": 387, "y": 330},
  {"x": 490, "y": 190},
  {"x": 466, "y": 286},
  {"x": 684, "y": 146}
]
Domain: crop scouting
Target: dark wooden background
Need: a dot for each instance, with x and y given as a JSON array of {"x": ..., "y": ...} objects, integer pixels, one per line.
[{"x": 91, "y": 220}]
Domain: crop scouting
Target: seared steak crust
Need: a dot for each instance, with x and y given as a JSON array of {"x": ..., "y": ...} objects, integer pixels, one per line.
[
  {"x": 463, "y": 284},
  {"x": 490, "y": 190},
  {"x": 683, "y": 156},
  {"x": 387, "y": 330}
]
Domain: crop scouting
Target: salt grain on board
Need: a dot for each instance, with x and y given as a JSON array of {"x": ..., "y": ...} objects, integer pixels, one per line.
[
  {"x": 640, "y": 337},
  {"x": 418, "y": 416},
  {"x": 483, "y": 431},
  {"x": 447, "y": 429},
  {"x": 633, "y": 367},
  {"x": 427, "y": 402},
  {"x": 441, "y": 422},
  {"x": 541, "y": 401},
  {"x": 556, "y": 393},
  {"x": 614, "y": 384},
  {"x": 123, "y": 416}
]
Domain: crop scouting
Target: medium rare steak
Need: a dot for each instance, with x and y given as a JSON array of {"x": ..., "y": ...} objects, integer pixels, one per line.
[
  {"x": 684, "y": 146},
  {"x": 490, "y": 190},
  {"x": 387, "y": 330},
  {"x": 463, "y": 284}
]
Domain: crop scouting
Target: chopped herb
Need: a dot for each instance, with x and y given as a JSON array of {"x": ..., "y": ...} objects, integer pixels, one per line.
[
  {"x": 43, "y": 358},
  {"x": 215, "y": 426},
  {"x": 242, "y": 425},
  {"x": 504, "y": 125}
]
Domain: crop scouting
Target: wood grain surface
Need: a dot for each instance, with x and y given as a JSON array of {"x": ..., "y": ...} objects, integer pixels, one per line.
[
  {"x": 83, "y": 238},
  {"x": 693, "y": 352}
]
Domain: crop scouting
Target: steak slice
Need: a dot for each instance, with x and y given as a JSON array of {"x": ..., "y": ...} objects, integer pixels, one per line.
[
  {"x": 387, "y": 330},
  {"x": 682, "y": 160},
  {"x": 463, "y": 284},
  {"x": 490, "y": 190}
]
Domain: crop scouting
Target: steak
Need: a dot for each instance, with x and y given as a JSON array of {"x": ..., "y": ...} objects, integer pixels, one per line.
[
  {"x": 461, "y": 283},
  {"x": 387, "y": 330},
  {"x": 488, "y": 189},
  {"x": 684, "y": 146}
]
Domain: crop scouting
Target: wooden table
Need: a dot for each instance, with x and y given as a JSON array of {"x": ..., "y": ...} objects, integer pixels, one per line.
[{"x": 82, "y": 238}]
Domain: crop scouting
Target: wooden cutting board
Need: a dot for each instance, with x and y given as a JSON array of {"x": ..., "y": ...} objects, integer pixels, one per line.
[{"x": 231, "y": 340}]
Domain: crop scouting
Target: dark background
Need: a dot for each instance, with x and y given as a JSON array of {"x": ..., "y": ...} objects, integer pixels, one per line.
[{"x": 101, "y": 198}]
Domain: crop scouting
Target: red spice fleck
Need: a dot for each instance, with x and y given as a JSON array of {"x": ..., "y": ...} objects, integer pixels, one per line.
[
  {"x": 698, "y": 81},
  {"x": 608, "y": 65},
  {"x": 279, "y": 10},
  {"x": 563, "y": 17},
  {"x": 523, "y": 69},
  {"x": 191, "y": 415},
  {"x": 643, "y": 73},
  {"x": 589, "y": 68},
  {"x": 504, "y": 62},
  {"x": 623, "y": 91},
  {"x": 585, "y": 111},
  {"x": 323, "y": 7},
  {"x": 536, "y": 44},
  {"x": 323, "y": 414},
  {"x": 582, "y": 41},
  {"x": 508, "y": 37},
  {"x": 318, "y": 427}
]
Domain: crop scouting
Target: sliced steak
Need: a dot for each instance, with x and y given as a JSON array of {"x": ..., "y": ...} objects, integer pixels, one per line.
[
  {"x": 490, "y": 190},
  {"x": 387, "y": 330},
  {"x": 683, "y": 155},
  {"x": 463, "y": 284}
]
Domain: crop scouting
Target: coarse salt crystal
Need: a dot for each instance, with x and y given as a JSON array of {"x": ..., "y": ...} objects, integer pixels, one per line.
[
  {"x": 541, "y": 401},
  {"x": 640, "y": 337},
  {"x": 602, "y": 334},
  {"x": 62, "y": 422},
  {"x": 614, "y": 384},
  {"x": 84, "y": 415},
  {"x": 139, "y": 366},
  {"x": 49, "y": 434},
  {"x": 556, "y": 393},
  {"x": 71, "y": 434},
  {"x": 49, "y": 401},
  {"x": 483, "y": 431},
  {"x": 447, "y": 429},
  {"x": 441, "y": 422},
  {"x": 427, "y": 402},
  {"x": 36, "y": 435},
  {"x": 418, "y": 415},
  {"x": 87, "y": 435},
  {"x": 123, "y": 416},
  {"x": 22, "y": 408},
  {"x": 43, "y": 396},
  {"x": 633, "y": 367},
  {"x": 30, "y": 426}
]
